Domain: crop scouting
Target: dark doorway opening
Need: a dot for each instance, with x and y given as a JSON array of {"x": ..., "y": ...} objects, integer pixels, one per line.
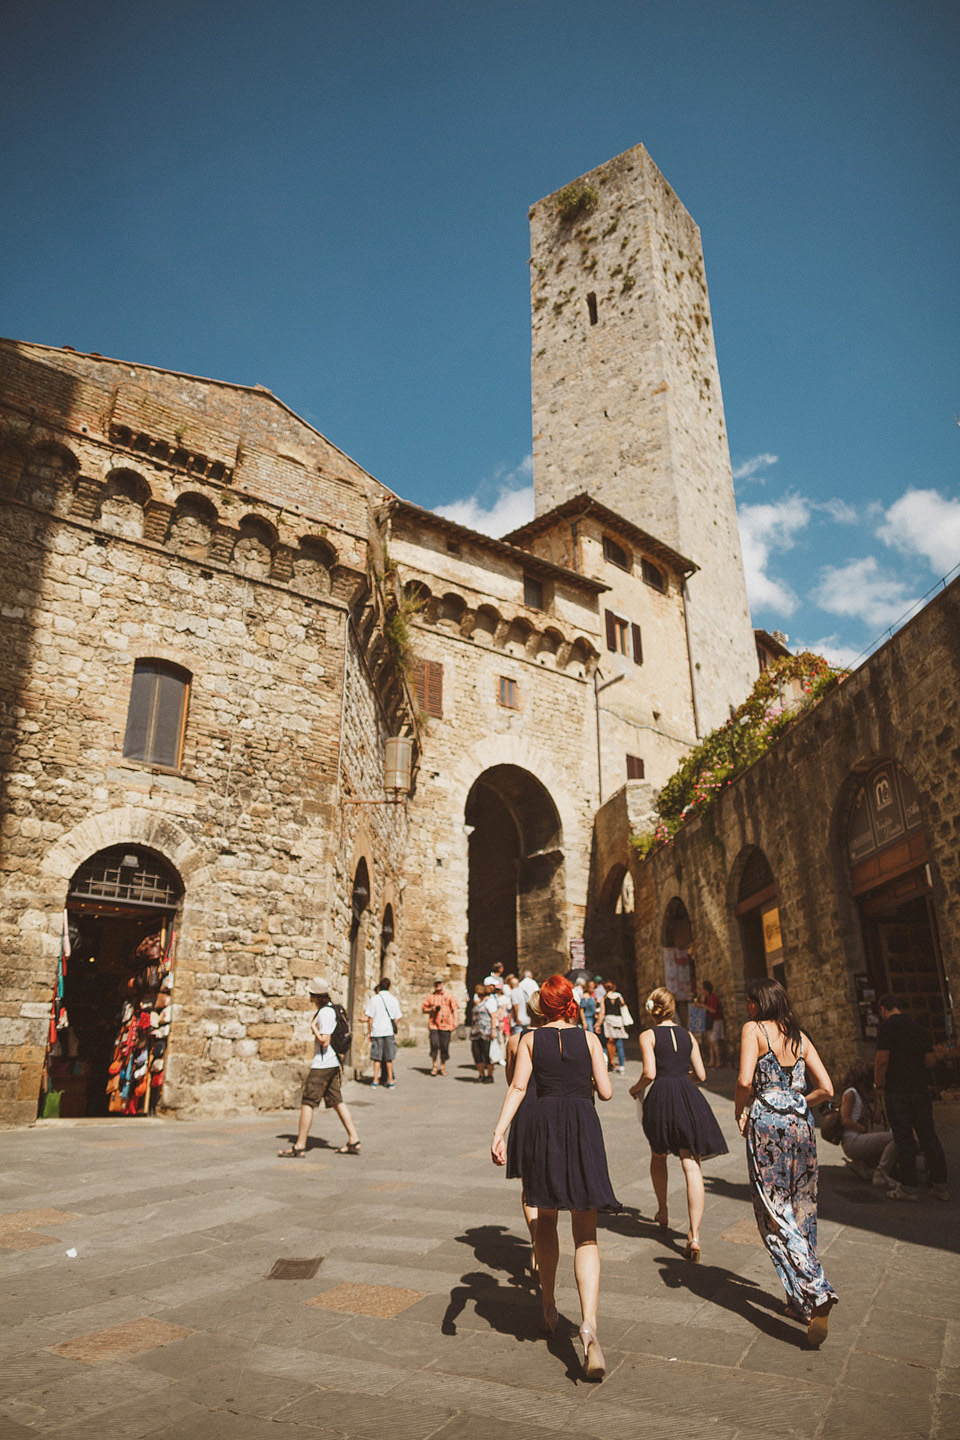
[
  {"x": 516, "y": 893},
  {"x": 116, "y": 901},
  {"x": 758, "y": 916}
]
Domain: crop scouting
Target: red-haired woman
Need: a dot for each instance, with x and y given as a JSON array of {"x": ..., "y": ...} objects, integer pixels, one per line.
[{"x": 562, "y": 1159}]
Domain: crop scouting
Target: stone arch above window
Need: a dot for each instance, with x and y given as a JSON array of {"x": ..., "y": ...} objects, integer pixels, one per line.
[
  {"x": 486, "y": 624},
  {"x": 518, "y": 637},
  {"x": 47, "y": 476},
  {"x": 192, "y": 526},
  {"x": 122, "y": 505},
  {"x": 451, "y": 610},
  {"x": 548, "y": 646},
  {"x": 580, "y": 659},
  {"x": 313, "y": 562},
  {"x": 253, "y": 551}
]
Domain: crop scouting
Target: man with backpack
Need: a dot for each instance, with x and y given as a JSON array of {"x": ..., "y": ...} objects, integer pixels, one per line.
[{"x": 331, "y": 1041}]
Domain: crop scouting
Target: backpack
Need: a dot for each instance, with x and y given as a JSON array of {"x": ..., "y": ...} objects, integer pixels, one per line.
[
  {"x": 831, "y": 1127},
  {"x": 341, "y": 1039}
]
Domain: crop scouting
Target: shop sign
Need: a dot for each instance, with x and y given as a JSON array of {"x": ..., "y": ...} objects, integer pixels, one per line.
[
  {"x": 772, "y": 941},
  {"x": 677, "y": 970}
]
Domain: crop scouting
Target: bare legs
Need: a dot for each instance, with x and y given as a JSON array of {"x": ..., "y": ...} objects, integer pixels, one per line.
[
  {"x": 303, "y": 1129},
  {"x": 586, "y": 1263},
  {"x": 547, "y": 1249},
  {"x": 658, "y": 1174},
  {"x": 530, "y": 1214}
]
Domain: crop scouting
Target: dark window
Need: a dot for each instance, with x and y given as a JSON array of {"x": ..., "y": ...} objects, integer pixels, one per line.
[
  {"x": 654, "y": 576},
  {"x": 453, "y": 547},
  {"x": 637, "y": 644},
  {"x": 428, "y": 684},
  {"x": 532, "y": 593},
  {"x": 157, "y": 713},
  {"x": 592, "y": 307},
  {"x": 634, "y": 767},
  {"x": 508, "y": 693},
  {"x": 615, "y": 553},
  {"x": 617, "y": 637}
]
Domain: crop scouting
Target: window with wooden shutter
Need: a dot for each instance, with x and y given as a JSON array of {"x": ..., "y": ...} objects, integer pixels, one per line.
[
  {"x": 532, "y": 593},
  {"x": 428, "y": 685},
  {"x": 634, "y": 767},
  {"x": 157, "y": 713},
  {"x": 615, "y": 553},
  {"x": 507, "y": 693},
  {"x": 654, "y": 576},
  {"x": 637, "y": 644},
  {"x": 617, "y": 637}
]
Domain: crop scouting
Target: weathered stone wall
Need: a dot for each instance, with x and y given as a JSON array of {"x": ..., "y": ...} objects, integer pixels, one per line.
[
  {"x": 110, "y": 555},
  {"x": 629, "y": 407},
  {"x": 902, "y": 704}
]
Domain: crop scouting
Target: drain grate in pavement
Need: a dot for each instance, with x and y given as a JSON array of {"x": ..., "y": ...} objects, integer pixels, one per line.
[{"x": 296, "y": 1269}]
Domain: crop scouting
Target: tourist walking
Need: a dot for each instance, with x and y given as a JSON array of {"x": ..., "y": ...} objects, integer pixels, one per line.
[
  {"x": 481, "y": 1031},
  {"x": 443, "y": 1017},
  {"x": 323, "y": 1077},
  {"x": 676, "y": 1118},
  {"x": 774, "y": 1115},
  {"x": 716, "y": 1031},
  {"x": 515, "y": 1137},
  {"x": 382, "y": 1011},
  {"x": 868, "y": 1148},
  {"x": 901, "y": 1074},
  {"x": 612, "y": 1021},
  {"x": 562, "y": 1159},
  {"x": 589, "y": 1007}
]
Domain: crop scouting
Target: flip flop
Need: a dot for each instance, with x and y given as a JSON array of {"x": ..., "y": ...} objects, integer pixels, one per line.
[
  {"x": 292, "y": 1154},
  {"x": 352, "y": 1147}
]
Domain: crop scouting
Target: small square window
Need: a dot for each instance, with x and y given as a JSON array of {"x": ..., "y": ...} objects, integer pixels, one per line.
[
  {"x": 615, "y": 553},
  {"x": 508, "y": 693},
  {"x": 532, "y": 592},
  {"x": 634, "y": 767},
  {"x": 654, "y": 576}
]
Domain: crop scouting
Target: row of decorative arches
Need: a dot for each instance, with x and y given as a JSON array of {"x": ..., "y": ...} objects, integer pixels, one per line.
[
  {"x": 513, "y": 635},
  {"x": 47, "y": 476}
]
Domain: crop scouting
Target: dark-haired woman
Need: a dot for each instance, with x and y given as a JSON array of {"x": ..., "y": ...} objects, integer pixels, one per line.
[
  {"x": 774, "y": 1116},
  {"x": 562, "y": 1159},
  {"x": 865, "y": 1147}
]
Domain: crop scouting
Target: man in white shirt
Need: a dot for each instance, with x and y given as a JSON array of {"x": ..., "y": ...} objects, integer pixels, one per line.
[
  {"x": 529, "y": 986},
  {"x": 382, "y": 1011},
  {"x": 323, "y": 1077}
]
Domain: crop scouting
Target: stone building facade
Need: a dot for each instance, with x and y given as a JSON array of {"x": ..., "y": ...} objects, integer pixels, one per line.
[
  {"x": 833, "y": 863},
  {"x": 215, "y": 622}
]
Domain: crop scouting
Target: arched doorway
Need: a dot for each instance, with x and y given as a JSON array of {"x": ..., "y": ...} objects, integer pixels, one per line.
[
  {"x": 758, "y": 916},
  {"x": 111, "y": 1012},
  {"x": 609, "y": 932},
  {"x": 359, "y": 905},
  {"x": 679, "y": 971},
  {"x": 516, "y": 895},
  {"x": 890, "y": 882}
]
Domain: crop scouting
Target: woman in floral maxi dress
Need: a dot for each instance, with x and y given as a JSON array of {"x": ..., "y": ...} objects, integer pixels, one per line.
[{"x": 775, "y": 1118}]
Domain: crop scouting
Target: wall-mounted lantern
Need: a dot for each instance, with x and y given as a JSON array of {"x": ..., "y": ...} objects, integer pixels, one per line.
[{"x": 399, "y": 763}]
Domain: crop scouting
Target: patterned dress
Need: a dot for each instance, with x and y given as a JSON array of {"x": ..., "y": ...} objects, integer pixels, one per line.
[{"x": 782, "y": 1164}]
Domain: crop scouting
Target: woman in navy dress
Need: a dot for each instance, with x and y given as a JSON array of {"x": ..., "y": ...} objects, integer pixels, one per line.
[
  {"x": 773, "y": 1112},
  {"x": 561, "y": 1155},
  {"x": 676, "y": 1118}
]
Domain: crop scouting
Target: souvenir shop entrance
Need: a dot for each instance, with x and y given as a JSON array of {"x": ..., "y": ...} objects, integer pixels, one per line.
[{"x": 110, "y": 1014}]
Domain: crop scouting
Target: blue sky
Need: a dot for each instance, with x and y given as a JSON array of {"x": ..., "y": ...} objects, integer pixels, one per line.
[{"x": 330, "y": 199}]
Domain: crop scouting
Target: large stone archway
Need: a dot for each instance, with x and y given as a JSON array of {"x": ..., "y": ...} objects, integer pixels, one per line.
[{"x": 516, "y": 901}]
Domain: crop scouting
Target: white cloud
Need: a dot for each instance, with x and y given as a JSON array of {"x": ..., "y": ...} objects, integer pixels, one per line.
[
  {"x": 764, "y": 528},
  {"x": 840, "y": 511},
  {"x": 832, "y": 648},
  {"x": 860, "y": 589},
  {"x": 748, "y": 469},
  {"x": 925, "y": 523},
  {"x": 512, "y": 507}
]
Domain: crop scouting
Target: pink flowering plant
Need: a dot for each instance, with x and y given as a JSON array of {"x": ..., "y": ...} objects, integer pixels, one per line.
[{"x": 783, "y": 692}]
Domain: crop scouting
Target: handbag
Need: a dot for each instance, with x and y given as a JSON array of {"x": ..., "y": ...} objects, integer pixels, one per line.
[{"x": 625, "y": 1015}]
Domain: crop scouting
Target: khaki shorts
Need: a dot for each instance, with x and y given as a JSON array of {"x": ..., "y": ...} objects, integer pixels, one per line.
[{"x": 322, "y": 1085}]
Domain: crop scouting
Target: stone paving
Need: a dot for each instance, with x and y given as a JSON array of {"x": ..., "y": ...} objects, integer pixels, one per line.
[{"x": 137, "y": 1300}]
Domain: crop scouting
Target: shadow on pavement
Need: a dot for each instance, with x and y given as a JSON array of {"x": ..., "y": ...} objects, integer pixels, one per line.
[{"x": 729, "y": 1291}]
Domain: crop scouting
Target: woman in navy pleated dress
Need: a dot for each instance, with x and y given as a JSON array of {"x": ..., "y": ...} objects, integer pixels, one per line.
[
  {"x": 676, "y": 1118},
  {"x": 561, "y": 1154},
  {"x": 777, "y": 1062}
]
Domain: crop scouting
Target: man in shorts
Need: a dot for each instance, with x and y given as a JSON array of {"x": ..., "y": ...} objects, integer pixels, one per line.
[
  {"x": 382, "y": 1011},
  {"x": 323, "y": 1077},
  {"x": 443, "y": 1017}
]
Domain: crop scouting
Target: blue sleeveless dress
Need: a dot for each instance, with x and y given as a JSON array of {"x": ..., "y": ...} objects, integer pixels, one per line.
[
  {"x": 782, "y": 1165},
  {"x": 560, "y": 1153},
  {"x": 675, "y": 1115}
]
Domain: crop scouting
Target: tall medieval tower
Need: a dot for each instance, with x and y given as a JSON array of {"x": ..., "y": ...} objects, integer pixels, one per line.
[{"x": 626, "y": 395}]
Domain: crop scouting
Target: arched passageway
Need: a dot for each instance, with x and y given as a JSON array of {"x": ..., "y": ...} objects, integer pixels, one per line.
[
  {"x": 678, "y": 960},
  {"x": 758, "y": 916},
  {"x": 890, "y": 883},
  {"x": 516, "y": 893},
  {"x": 610, "y": 932},
  {"x": 360, "y": 904},
  {"x": 110, "y": 1018}
]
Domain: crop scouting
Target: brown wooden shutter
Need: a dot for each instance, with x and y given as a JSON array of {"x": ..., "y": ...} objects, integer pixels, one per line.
[
  {"x": 611, "y": 620},
  {"x": 138, "y": 714},
  {"x": 634, "y": 767},
  {"x": 637, "y": 644},
  {"x": 434, "y": 687},
  {"x": 418, "y": 677}
]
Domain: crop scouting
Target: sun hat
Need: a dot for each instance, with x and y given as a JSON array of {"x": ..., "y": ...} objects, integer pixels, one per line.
[{"x": 318, "y": 986}]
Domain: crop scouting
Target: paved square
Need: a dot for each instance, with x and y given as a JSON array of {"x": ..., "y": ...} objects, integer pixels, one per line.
[{"x": 165, "y": 1324}]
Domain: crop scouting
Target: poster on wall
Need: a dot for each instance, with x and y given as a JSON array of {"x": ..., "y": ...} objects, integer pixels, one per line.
[{"x": 677, "y": 970}]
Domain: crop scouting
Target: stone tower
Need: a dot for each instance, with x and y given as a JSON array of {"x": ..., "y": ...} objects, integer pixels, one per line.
[{"x": 626, "y": 395}]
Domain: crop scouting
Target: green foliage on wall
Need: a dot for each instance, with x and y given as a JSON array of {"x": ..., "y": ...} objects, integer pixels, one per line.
[
  {"x": 576, "y": 199},
  {"x": 782, "y": 693}
]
